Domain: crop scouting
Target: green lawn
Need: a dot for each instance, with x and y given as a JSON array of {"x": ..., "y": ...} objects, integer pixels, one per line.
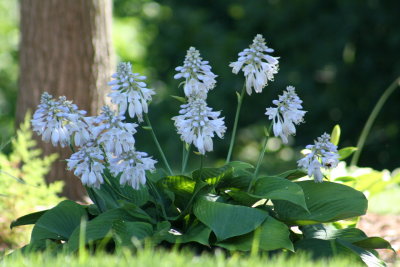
[{"x": 165, "y": 258}]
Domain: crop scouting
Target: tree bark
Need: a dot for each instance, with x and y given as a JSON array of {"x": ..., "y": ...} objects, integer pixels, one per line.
[{"x": 66, "y": 50}]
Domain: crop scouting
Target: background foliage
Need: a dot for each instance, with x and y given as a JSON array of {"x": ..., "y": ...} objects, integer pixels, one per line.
[
  {"x": 22, "y": 185},
  {"x": 340, "y": 55}
]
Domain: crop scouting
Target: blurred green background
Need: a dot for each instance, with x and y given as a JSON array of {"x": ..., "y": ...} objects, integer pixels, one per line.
[{"x": 340, "y": 55}]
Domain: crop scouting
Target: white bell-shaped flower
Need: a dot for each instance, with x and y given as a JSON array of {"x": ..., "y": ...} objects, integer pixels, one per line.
[
  {"x": 323, "y": 154},
  {"x": 258, "y": 67},
  {"x": 287, "y": 114}
]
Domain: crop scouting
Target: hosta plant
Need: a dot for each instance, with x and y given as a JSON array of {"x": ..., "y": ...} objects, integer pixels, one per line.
[{"x": 233, "y": 207}]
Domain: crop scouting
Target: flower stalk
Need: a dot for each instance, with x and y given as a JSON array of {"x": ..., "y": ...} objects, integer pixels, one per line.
[
  {"x": 146, "y": 117},
  {"x": 238, "y": 108}
]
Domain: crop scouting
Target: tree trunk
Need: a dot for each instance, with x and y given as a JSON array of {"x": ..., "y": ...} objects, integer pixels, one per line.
[{"x": 65, "y": 49}]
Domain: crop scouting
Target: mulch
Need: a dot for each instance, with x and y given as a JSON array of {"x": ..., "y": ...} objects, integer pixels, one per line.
[{"x": 387, "y": 227}]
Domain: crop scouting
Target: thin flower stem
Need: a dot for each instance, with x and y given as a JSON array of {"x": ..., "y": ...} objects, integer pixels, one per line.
[
  {"x": 239, "y": 105},
  {"x": 154, "y": 189},
  {"x": 185, "y": 156},
  {"x": 158, "y": 144},
  {"x": 260, "y": 159},
  {"x": 367, "y": 127}
]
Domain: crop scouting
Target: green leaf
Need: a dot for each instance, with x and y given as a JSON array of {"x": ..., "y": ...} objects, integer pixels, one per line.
[
  {"x": 241, "y": 168},
  {"x": 99, "y": 227},
  {"x": 322, "y": 249},
  {"x": 352, "y": 235},
  {"x": 179, "y": 98},
  {"x": 213, "y": 176},
  {"x": 59, "y": 222},
  {"x": 346, "y": 152},
  {"x": 293, "y": 174},
  {"x": 277, "y": 188},
  {"x": 242, "y": 197},
  {"x": 28, "y": 219},
  {"x": 345, "y": 179},
  {"x": 271, "y": 235},
  {"x": 335, "y": 135},
  {"x": 366, "y": 256},
  {"x": 180, "y": 185},
  {"x": 327, "y": 202},
  {"x": 228, "y": 220},
  {"x": 374, "y": 243},
  {"x": 197, "y": 232},
  {"x": 124, "y": 231},
  {"x": 327, "y": 232}
]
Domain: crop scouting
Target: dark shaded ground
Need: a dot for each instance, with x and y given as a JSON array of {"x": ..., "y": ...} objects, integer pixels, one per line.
[{"x": 386, "y": 226}]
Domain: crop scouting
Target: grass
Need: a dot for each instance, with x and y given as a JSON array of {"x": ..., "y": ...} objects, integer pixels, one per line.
[{"x": 148, "y": 257}]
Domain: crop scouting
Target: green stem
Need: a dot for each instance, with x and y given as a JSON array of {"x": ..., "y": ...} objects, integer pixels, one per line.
[
  {"x": 367, "y": 127},
  {"x": 185, "y": 156},
  {"x": 157, "y": 144},
  {"x": 154, "y": 189},
  {"x": 259, "y": 161},
  {"x": 240, "y": 101}
]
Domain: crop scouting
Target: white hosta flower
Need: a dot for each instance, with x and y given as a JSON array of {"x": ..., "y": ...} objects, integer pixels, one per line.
[
  {"x": 258, "y": 67},
  {"x": 133, "y": 166},
  {"x": 88, "y": 163},
  {"x": 323, "y": 154},
  {"x": 287, "y": 114},
  {"x": 198, "y": 76},
  {"x": 197, "y": 124},
  {"x": 130, "y": 92},
  {"x": 115, "y": 135},
  {"x": 59, "y": 120}
]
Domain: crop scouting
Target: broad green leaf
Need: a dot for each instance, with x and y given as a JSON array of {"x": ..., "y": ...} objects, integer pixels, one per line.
[
  {"x": 227, "y": 220},
  {"x": 270, "y": 235},
  {"x": 346, "y": 152},
  {"x": 352, "y": 235},
  {"x": 366, "y": 256},
  {"x": 327, "y": 202},
  {"x": 239, "y": 182},
  {"x": 335, "y": 135},
  {"x": 28, "y": 219},
  {"x": 241, "y": 168},
  {"x": 98, "y": 228},
  {"x": 322, "y": 249},
  {"x": 293, "y": 174},
  {"x": 122, "y": 192},
  {"x": 243, "y": 198},
  {"x": 374, "y": 243},
  {"x": 124, "y": 232},
  {"x": 162, "y": 233},
  {"x": 197, "y": 232},
  {"x": 327, "y": 232},
  {"x": 213, "y": 176},
  {"x": 59, "y": 222},
  {"x": 180, "y": 185},
  {"x": 277, "y": 188}
]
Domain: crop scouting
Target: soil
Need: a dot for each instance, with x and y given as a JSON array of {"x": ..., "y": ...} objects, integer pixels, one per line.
[{"x": 387, "y": 227}]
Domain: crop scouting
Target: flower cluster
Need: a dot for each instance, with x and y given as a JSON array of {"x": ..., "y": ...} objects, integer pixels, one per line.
[
  {"x": 323, "y": 154},
  {"x": 105, "y": 141},
  {"x": 133, "y": 166},
  {"x": 287, "y": 113},
  {"x": 198, "y": 123},
  {"x": 115, "y": 135},
  {"x": 258, "y": 67},
  {"x": 60, "y": 120},
  {"x": 198, "y": 76},
  {"x": 130, "y": 92},
  {"x": 88, "y": 163}
]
